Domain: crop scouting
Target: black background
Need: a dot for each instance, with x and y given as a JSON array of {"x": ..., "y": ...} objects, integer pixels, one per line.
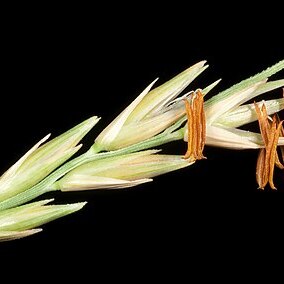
[{"x": 61, "y": 68}]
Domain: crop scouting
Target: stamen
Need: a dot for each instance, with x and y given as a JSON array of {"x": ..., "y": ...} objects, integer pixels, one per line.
[
  {"x": 274, "y": 153},
  {"x": 268, "y": 156},
  {"x": 189, "y": 152},
  {"x": 196, "y": 126},
  {"x": 261, "y": 178},
  {"x": 263, "y": 122},
  {"x": 281, "y": 134}
]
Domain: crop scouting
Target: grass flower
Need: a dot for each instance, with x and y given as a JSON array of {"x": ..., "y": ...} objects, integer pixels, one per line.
[
  {"x": 150, "y": 113},
  {"x": 225, "y": 112},
  {"x": 40, "y": 161},
  {"x": 21, "y": 221},
  {"x": 120, "y": 172},
  {"x": 217, "y": 122}
]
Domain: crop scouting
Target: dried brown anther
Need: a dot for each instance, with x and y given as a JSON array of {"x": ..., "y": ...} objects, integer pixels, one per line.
[
  {"x": 196, "y": 126},
  {"x": 268, "y": 156}
]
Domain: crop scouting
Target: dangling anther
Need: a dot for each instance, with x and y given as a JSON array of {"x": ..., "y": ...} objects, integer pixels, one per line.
[
  {"x": 268, "y": 156},
  {"x": 196, "y": 127}
]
